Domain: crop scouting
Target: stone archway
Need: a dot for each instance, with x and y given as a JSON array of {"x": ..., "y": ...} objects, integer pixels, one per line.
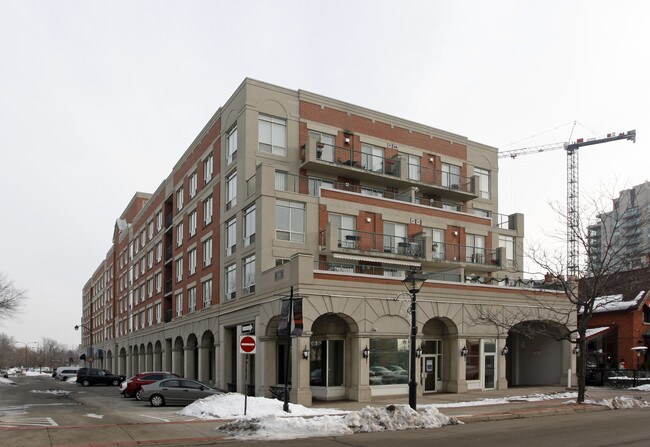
[
  {"x": 206, "y": 358},
  {"x": 178, "y": 357}
]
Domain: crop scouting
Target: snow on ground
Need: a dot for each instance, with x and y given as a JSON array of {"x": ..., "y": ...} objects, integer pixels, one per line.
[
  {"x": 504, "y": 400},
  {"x": 620, "y": 402},
  {"x": 4, "y": 381},
  {"x": 55, "y": 392},
  {"x": 641, "y": 388}
]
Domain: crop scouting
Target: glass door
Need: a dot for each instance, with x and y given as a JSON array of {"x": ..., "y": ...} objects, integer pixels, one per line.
[{"x": 489, "y": 362}]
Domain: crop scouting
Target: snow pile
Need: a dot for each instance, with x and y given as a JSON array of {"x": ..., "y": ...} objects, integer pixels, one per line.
[
  {"x": 369, "y": 419},
  {"x": 641, "y": 388},
  {"x": 620, "y": 402},
  {"x": 55, "y": 392},
  {"x": 231, "y": 406},
  {"x": 4, "y": 381},
  {"x": 536, "y": 397},
  {"x": 70, "y": 380},
  {"x": 36, "y": 373}
]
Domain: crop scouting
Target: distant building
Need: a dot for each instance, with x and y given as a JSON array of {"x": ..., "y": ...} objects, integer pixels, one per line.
[
  {"x": 288, "y": 189},
  {"x": 624, "y": 231}
]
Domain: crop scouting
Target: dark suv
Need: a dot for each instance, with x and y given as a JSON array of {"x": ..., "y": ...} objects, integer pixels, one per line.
[
  {"x": 133, "y": 386},
  {"x": 95, "y": 376}
]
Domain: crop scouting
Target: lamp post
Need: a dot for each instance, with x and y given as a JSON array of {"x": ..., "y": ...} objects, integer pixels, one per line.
[
  {"x": 413, "y": 283},
  {"x": 26, "y": 348},
  {"x": 638, "y": 350},
  {"x": 87, "y": 359}
]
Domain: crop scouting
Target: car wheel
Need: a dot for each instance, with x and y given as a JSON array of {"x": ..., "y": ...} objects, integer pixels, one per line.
[
  {"x": 157, "y": 400},
  {"x": 137, "y": 394},
  {"x": 85, "y": 382}
]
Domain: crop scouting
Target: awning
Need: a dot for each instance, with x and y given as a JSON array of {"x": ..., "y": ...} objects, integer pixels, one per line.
[
  {"x": 594, "y": 332},
  {"x": 390, "y": 261}
]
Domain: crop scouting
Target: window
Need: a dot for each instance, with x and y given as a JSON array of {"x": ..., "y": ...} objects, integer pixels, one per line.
[
  {"x": 150, "y": 258},
  {"x": 508, "y": 242},
  {"x": 315, "y": 185},
  {"x": 191, "y": 261},
  {"x": 475, "y": 250},
  {"x": 325, "y": 145},
  {"x": 472, "y": 359},
  {"x": 150, "y": 230},
  {"x": 207, "y": 211},
  {"x": 482, "y": 213},
  {"x": 393, "y": 352},
  {"x": 143, "y": 238},
  {"x": 371, "y": 192},
  {"x": 273, "y": 135},
  {"x": 191, "y": 299},
  {"x": 414, "y": 168},
  {"x": 327, "y": 362},
  {"x": 207, "y": 293},
  {"x": 484, "y": 182},
  {"x": 158, "y": 282},
  {"x": 159, "y": 252},
  {"x": 394, "y": 237},
  {"x": 231, "y": 148},
  {"x": 248, "y": 284},
  {"x": 347, "y": 226},
  {"x": 231, "y": 272},
  {"x": 438, "y": 243},
  {"x": 193, "y": 184},
  {"x": 150, "y": 316},
  {"x": 372, "y": 158},
  {"x": 192, "y": 223},
  {"x": 450, "y": 176},
  {"x": 208, "y": 168},
  {"x": 231, "y": 190},
  {"x": 158, "y": 312},
  {"x": 207, "y": 252},
  {"x": 281, "y": 181},
  {"x": 179, "y": 270},
  {"x": 290, "y": 221},
  {"x": 231, "y": 236},
  {"x": 451, "y": 206},
  {"x": 159, "y": 221},
  {"x": 179, "y": 304},
  {"x": 179, "y": 199},
  {"x": 142, "y": 320},
  {"x": 249, "y": 225},
  {"x": 179, "y": 234},
  {"x": 150, "y": 287}
]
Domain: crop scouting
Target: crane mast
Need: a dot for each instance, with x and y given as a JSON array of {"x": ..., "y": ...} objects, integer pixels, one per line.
[{"x": 573, "y": 188}]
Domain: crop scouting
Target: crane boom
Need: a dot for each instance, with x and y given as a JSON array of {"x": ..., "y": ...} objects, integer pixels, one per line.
[{"x": 573, "y": 217}]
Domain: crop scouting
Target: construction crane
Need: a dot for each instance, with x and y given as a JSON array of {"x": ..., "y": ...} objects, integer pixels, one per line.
[{"x": 573, "y": 216}]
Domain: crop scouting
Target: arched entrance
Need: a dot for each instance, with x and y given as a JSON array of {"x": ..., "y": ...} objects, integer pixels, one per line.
[{"x": 436, "y": 356}]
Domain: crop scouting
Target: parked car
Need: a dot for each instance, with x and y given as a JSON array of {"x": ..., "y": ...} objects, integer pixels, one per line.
[
  {"x": 133, "y": 386},
  {"x": 96, "y": 376},
  {"x": 65, "y": 372},
  {"x": 176, "y": 392}
]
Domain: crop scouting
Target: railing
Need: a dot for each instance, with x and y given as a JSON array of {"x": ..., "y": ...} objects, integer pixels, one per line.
[
  {"x": 444, "y": 252},
  {"x": 358, "y": 159},
  {"x": 379, "y": 271},
  {"x": 378, "y": 242}
]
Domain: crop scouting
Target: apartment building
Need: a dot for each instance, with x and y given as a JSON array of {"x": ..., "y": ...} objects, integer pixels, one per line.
[
  {"x": 288, "y": 190},
  {"x": 620, "y": 240}
]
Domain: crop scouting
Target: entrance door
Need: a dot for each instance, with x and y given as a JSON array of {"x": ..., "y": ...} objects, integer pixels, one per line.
[
  {"x": 490, "y": 362},
  {"x": 431, "y": 378}
]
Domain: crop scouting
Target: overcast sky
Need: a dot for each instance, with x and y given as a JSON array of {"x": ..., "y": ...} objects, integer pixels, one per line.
[{"x": 98, "y": 100}]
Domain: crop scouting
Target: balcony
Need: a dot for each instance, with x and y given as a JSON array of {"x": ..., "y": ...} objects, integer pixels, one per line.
[{"x": 347, "y": 162}]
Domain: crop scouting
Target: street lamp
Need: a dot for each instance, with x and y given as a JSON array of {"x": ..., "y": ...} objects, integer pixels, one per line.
[
  {"x": 638, "y": 350},
  {"x": 26, "y": 346},
  {"x": 413, "y": 283},
  {"x": 90, "y": 332}
]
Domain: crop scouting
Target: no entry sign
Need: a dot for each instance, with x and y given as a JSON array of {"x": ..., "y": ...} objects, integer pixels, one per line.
[{"x": 247, "y": 344}]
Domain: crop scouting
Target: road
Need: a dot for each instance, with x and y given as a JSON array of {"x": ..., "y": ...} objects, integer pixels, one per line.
[{"x": 43, "y": 401}]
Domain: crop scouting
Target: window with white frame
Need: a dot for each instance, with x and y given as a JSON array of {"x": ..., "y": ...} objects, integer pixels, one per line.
[
  {"x": 191, "y": 222},
  {"x": 315, "y": 185},
  {"x": 159, "y": 221},
  {"x": 207, "y": 293},
  {"x": 395, "y": 238},
  {"x": 231, "y": 190},
  {"x": 143, "y": 264},
  {"x": 248, "y": 280},
  {"x": 179, "y": 234},
  {"x": 193, "y": 184},
  {"x": 372, "y": 157},
  {"x": 231, "y": 146},
  {"x": 249, "y": 225},
  {"x": 325, "y": 145},
  {"x": 179, "y": 198},
  {"x": 207, "y": 211},
  {"x": 179, "y": 304},
  {"x": 150, "y": 287},
  {"x": 281, "y": 181},
  {"x": 158, "y": 282},
  {"x": 272, "y": 135},
  {"x": 231, "y": 236},
  {"x": 159, "y": 248},
  {"x": 208, "y": 168},
  {"x": 508, "y": 242},
  {"x": 150, "y": 230},
  {"x": 143, "y": 238},
  {"x": 450, "y": 176},
  {"x": 438, "y": 243},
  {"x": 290, "y": 221},
  {"x": 150, "y": 316},
  {"x": 158, "y": 312},
  {"x": 191, "y": 261},
  {"x": 414, "y": 168},
  {"x": 484, "y": 182},
  {"x": 347, "y": 237},
  {"x": 191, "y": 299},
  {"x": 231, "y": 274},
  {"x": 475, "y": 250},
  {"x": 207, "y": 252},
  {"x": 179, "y": 269},
  {"x": 142, "y": 320},
  {"x": 150, "y": 258}
]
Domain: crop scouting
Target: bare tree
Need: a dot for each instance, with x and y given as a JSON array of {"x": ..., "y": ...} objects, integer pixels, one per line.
[
  {"x": 604, "y": 268},
  {"x": 11, "y": 298},
  {"x": 7, "y": 345}
]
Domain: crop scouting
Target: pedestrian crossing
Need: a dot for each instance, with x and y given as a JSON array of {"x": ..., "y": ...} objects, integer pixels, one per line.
[{"x": 12, "y": 421}]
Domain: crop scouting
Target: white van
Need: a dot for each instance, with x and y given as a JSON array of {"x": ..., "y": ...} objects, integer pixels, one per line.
[{"x": 65, "y": 372}]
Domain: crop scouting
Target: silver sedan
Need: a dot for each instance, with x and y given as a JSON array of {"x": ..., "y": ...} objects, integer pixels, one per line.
[{"x": 176, "y": 392}]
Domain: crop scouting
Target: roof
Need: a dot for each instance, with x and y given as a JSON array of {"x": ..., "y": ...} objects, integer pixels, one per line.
[
  {"x": 618, "y": 292},
  {"x": 616, "y": 303}
]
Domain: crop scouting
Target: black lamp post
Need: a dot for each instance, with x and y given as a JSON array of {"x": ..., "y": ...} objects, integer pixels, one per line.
[
  {"x": 413, "y": 283},
  {"x": 76, "y": 328}
]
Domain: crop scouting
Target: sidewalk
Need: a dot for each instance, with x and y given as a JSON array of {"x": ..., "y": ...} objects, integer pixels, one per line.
[{"x": 201, "y": 432}]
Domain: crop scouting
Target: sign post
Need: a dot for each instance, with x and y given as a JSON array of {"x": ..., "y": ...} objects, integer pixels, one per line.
[{"x": 247, "y": 345}]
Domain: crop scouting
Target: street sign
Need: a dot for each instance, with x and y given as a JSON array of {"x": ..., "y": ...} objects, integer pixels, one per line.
[
  {"x": 89, "y": 359},
  {"x": 247, "y": 328},
  {"x": 247, "y": 344}
]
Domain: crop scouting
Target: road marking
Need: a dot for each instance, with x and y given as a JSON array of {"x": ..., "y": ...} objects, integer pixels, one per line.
[
  {"x": 27, "y": 422},
  {"x": 96, "y": 416},
  {"x": 170, "y": 418}
]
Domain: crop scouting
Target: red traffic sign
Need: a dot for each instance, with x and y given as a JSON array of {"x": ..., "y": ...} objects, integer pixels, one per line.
[{"x": 247, "y": 344}]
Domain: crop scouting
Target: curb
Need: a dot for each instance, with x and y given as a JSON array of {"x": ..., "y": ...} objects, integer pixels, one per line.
[{"x": 529, "y": 413}]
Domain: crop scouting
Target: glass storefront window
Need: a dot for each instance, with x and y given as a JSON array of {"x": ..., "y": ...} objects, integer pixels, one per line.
[
  {"x": 472, "y": 359},
  {"x": 389, "y": 361},
  {"x": 326, "y": 363}
]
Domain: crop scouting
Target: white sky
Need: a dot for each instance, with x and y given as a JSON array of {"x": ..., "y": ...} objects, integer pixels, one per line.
[{"x": 99, "y": 100}]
